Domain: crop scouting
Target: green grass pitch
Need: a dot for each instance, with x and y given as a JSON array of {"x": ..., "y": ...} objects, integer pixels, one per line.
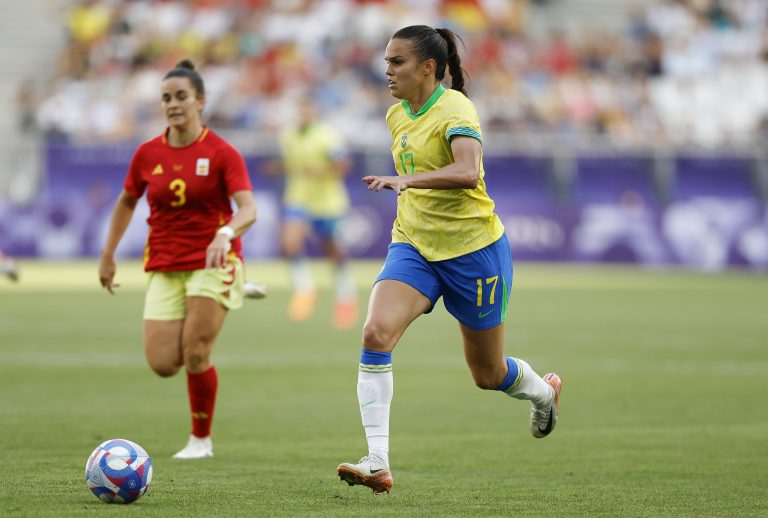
[{"x": 664, "y": 408}]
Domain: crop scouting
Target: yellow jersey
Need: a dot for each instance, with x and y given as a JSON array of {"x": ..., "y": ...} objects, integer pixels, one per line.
[
  {"x": 440, "y": 223},
  {"x": 310, "y": 181}
]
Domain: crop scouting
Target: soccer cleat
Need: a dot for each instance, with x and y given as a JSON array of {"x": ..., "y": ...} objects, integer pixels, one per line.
[
  {"x": 543, "y": 420},
  {"x": 302, "y": 305},
  {"x": 369, "y": 472},
  {"x": 196, "y": 448},
  {"x": 345, "y": 314},
  {"x": 254, "y": 290}
]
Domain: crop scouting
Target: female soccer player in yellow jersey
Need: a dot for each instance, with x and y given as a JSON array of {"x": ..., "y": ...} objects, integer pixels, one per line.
[
  {"x": 315, "y": 199},
  {"x": 446, "y": 241}
]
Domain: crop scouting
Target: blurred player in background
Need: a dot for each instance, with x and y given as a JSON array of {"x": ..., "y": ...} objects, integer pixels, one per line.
[
  {"x": 446, "y": 241},
  {"x": 315, "y": 200},
  {"x": 192, "y": 256},
  {"x": 8, "y": 267}
]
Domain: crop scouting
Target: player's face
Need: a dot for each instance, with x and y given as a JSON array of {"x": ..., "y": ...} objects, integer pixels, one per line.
[
  {"x": 181, "y": 105},
  {"x": 405, "y": 72},
  {"x": 306, "y": 112}
]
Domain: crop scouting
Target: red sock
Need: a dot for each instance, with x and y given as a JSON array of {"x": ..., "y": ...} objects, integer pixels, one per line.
[{"x": 202, "y": 398}]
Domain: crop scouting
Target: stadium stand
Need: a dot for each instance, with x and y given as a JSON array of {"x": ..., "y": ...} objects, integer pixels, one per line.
[
  {"x": 31, "y": 35},
  {"x": 685, "y": 73}
]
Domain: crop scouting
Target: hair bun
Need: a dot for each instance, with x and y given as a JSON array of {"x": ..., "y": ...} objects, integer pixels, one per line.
[{"x": 185, "y": 63}]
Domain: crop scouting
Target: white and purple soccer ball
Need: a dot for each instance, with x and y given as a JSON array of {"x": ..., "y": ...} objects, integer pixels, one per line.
[{"x": 118, "y": 471}]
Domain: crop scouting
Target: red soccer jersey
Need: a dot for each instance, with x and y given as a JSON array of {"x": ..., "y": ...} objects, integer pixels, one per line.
[{"x": 188, "y": 190}]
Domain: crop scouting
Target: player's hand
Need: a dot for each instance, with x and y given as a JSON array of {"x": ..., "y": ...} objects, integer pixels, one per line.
[
  {"x": 107, "y": 269},
  {"x": 395, "y": 183},
  {"x": 216, "y": 253}
]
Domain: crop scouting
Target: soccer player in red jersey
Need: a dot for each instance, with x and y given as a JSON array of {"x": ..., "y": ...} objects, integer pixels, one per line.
[{"x": 193, "y": 252}]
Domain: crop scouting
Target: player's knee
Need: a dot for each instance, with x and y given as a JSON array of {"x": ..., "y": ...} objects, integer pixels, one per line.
[
  {"x": 377, "y": 338},
  {"x": 196, "y": 356},
  {"x": 486, "y": 385},
  {"x": 485, "y": 381},
  {"x": 163, "y": 365},
  {"x": 292, "y": 248},
  {"x": 195, "y": 361},
  {"x": 165, "y": 370}
]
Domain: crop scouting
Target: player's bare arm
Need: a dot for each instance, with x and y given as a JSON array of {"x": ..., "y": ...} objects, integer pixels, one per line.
[
  {"x": 121, "y": 218},
  {"x": 462, "y": 173}
]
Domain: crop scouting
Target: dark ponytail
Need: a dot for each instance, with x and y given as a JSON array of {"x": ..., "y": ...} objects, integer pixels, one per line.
[
  {"x": 185, "y": 68},
  {"x": 440, "y": 45},
  {"x": 453, "y": 60}
]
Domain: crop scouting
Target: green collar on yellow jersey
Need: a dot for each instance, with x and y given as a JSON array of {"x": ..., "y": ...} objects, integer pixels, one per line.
[{"x": 427, "y": 105}]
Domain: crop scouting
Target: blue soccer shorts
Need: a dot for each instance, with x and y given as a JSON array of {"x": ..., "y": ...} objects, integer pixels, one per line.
[
  {"x": 475, "y": 287},
  {"x": 325, "y": 228}
]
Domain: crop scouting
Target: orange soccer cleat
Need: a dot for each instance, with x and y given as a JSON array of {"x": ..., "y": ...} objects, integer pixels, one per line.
[
  {"x": 302, "y": 305},
  {"x": 543, "y": 420},
  {"x": 345, "y": 314},
  {"x": 369, "y": 472}
]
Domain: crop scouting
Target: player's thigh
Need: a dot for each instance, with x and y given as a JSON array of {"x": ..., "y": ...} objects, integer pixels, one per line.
[
  {"x": 162, "y": 345},
  {"x": 392, "y": 307},
  {"x": 476, "y": 286},
  {"x": 328, "y": 231},
  {"x": 294, "y": 233},
  {"x": 406, "y": 288},
  {"x": 295, "y": 229},
  {"x": 211, "y": 293},
  {"x": 205, "y": 317},
  {"x": 164, "y": 313},
  {"x": 333, "y": 249}
]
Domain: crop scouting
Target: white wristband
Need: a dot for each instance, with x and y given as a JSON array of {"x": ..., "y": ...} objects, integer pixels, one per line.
[{"x": 227, "y": 231}]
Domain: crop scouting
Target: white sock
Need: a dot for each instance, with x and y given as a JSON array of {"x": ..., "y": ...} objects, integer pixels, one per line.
[
  {"x": 374, "y": 393},
  {"x": 345, "y": 286},
  {"x": 302, "y": 277},
  {"x": 531, "y": 387}
]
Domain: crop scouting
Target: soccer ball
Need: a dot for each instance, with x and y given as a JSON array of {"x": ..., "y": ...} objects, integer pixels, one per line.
[{"x": 118, "y": 471}]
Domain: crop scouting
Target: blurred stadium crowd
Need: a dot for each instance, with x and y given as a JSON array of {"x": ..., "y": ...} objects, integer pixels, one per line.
[
  {"x": 621, "y": 135},
  {"x": 678, "y": 72}
]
